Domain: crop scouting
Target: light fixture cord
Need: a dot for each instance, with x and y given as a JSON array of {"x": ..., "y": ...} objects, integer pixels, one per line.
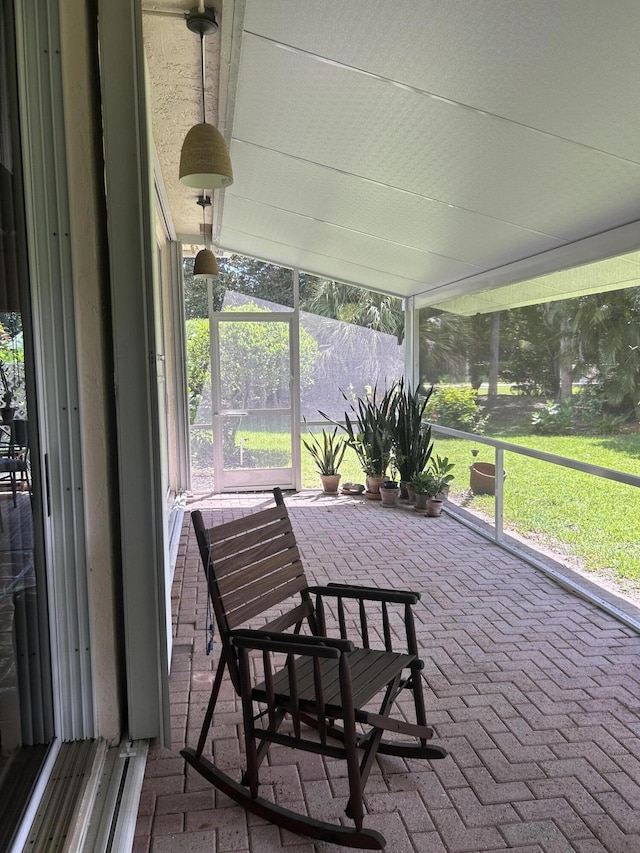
[
  {"x": 204, "y": 115},
  {"x": 204, "y": 224}
]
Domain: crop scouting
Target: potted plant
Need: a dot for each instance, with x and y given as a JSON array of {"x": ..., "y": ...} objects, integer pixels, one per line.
[
  {"x": 327, "y": 453},
  {"x": 389, "y": 493},
  {"x": 441, "y": 467},
  {"x": 7, "y": 411},
  {"x": 437, "y": 479},
  {"x": 369, "y": 435},
  {"x": 412, "y": 443},
  {"x": 420, "y": 484}
]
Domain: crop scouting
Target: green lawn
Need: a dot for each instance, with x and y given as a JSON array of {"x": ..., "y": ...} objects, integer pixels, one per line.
[{"x": 592, "y": 522}]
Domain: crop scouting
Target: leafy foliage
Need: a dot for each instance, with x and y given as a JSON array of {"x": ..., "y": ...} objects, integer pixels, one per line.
[
  {"x": 368, "y": 431},
  {"x": 445, "y": 344},
  {"x": 238, "y": 274},
  {"x": 441, "y": 467},
  {"x": 354, "y": 305},
  {"x": 607, "y": 329},
  {"x": 457, "y": 407},
  {"x": 553, "y": 419},
  {"x": 198, "y": 364},
  {"x": 412, "y": 443},
  {"x": 327, "y": 453}
]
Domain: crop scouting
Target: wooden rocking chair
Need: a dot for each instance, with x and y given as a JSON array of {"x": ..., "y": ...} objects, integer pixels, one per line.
[{"x": 253, "y": 567}]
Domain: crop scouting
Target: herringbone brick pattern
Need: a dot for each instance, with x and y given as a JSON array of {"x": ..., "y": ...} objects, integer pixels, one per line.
[{"x": 534, "y": 692}]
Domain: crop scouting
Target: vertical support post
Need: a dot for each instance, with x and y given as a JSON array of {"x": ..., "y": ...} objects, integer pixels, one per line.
[
  {"x": 295, "y": 383},
  {"x": 411, "y": 343},
  {"x": 499, "y": 502}
]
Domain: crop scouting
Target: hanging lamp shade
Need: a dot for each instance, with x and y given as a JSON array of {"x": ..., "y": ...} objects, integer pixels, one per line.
[
  {"x": 204, "y": 159},
  {"x": 206, "y": 265}
]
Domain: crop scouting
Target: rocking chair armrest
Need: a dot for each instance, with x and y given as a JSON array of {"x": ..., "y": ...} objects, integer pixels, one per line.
[
  {"x": 367, "y": 593},
  {"x": 297, "y": 644}
]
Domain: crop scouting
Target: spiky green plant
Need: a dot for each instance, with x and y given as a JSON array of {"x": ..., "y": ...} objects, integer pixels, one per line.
[
  {"x": 327, "y": 452},
  {"x": 412, "y": 445},
  {"x": 369, "y": 430}
]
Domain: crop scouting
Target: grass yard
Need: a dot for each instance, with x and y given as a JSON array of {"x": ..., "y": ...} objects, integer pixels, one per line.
[{"x": 591, "y": 522}]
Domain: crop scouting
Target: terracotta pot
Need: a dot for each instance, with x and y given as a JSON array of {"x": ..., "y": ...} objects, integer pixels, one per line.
[
  {"x": 434, "y": 507},
  {"x": 330, "y": 483},
  {"x": 411, "y": 493},
  {"x": 374, "y": 482},
  {"x": 483, "y": 478}
]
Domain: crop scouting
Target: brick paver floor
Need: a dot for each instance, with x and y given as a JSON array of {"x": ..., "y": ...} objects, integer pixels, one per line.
[{"x": 534, "y": 692}]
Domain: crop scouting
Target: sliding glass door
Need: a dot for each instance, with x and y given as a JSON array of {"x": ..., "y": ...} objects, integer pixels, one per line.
[{"x": 26, "y": 705}]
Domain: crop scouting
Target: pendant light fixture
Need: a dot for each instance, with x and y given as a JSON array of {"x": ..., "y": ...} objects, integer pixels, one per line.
[
  {"x": 204, "y": 159},
  {"x": 206, "y": 265}
]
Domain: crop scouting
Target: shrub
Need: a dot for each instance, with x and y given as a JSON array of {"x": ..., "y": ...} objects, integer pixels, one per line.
[
  {"x": 456, "y": 406},
  {"x": 553, "y": 419},
  {"x": 593, "y": 412}
]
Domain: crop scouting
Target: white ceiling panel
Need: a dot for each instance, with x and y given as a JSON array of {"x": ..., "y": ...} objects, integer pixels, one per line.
[
  {"x": 332, "y": 241},
  {"x": 425, "y": 147},
  {"x": 369, "y": 207},
  {"x": 368, "y": 127},
  {"x": 309, "y": 261},
  {"x": 568, "y": 67}
]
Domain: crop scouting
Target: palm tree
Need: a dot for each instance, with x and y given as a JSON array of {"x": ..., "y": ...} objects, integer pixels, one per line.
[
  {"x": 607, "y": 331},
  {"x": 354, "y": 305}
]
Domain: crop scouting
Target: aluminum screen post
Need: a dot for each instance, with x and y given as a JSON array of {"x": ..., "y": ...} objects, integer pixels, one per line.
[{"x": 499, "y": 502}]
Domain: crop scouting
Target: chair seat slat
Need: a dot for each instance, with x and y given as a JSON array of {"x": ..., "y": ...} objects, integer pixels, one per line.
[{"x": 371, "y": 671}]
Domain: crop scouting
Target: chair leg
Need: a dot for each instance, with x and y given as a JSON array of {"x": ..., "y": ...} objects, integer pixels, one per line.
[
  {"x": 373, "y": 742},
  {"x": 251, "y": 752},
  {"x": 418, "y": 697}
]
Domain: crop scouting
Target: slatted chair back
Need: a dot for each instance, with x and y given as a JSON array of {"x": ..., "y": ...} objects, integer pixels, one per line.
[{"x": 253, "y": 570}]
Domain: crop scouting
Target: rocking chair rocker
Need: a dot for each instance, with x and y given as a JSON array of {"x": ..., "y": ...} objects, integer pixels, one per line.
[{"x": 253, "y": 567}]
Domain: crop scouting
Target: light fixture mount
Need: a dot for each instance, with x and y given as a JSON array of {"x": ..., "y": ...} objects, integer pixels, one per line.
[
  {"x": 205, "y": 264},
  {"x": 202, "y": 21}
]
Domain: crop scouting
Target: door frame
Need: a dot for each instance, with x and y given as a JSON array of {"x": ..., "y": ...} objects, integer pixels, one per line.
[{"x": 255, "y": 479}]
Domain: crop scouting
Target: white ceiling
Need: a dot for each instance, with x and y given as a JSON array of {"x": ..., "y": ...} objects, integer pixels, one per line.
[{"x": 419, "y": 146}]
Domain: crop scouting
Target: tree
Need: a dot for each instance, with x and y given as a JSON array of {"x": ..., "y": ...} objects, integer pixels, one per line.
[
  {"x": 198, "y": 366},
  {"x": 529, "y": 347},
  {"x": 240, "y": 275},
  {"x": 444, "y": 340},
  {"x": 494, "y": 361},
  {"x": 355, "y": 305},
  {"x": 254, "y": 364},
  {"x": 606, "y": 327}
]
